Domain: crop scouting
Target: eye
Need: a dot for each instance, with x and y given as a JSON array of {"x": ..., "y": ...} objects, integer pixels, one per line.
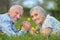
[
  {"x": 16, "y": 12},
  {"x": 20, "y": 15},
  {"x": 36, "y": 14},
  {"x": 32, "y": 16}
]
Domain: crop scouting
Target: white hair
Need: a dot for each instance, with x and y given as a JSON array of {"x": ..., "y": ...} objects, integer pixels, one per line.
[
  {"x": 14, "y": 6},
  {"x": 40, "y": 9}
]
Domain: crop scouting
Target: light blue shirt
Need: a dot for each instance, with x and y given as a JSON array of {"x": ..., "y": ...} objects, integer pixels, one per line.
[
  {"x": 53, "y": 23},
  {"x": 7, "y": 26}
]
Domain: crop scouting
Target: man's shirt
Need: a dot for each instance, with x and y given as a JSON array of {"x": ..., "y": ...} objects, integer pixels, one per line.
[{"x": 7, "y": 26}]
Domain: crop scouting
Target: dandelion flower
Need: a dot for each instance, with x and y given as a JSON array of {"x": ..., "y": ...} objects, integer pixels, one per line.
[
  {"x": 53, "y": 33},
  {"x": 28, "y": 19},
  {"x": 32, "y": 28}
]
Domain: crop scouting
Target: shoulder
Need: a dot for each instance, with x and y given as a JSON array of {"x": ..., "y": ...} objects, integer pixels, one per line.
[
  {"x": 48, "y": 19},
  {"x": 5, "y": 17},
  {"x": 51, "y": 18},
  {"x": 48, "y": 22},
  {"x": 2, "y": 16}
]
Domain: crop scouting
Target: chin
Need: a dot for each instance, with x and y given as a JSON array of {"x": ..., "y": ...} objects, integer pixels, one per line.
[
  {"x": 14, "y": 21},
  {"x": 36, "y": 23}
]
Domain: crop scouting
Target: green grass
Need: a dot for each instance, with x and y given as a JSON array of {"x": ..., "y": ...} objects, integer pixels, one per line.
[
  {"x": 24, "y": 19},
  {"x": 28, "y": 36}
]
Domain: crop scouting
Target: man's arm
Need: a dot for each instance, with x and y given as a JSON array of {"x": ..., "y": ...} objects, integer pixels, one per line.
[
  {"x": 6, "y": 28},
  {"x": 21, "y": 32}
]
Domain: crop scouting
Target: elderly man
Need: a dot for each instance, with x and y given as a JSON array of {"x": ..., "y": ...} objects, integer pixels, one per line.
[{"x": 8, "y": 19}]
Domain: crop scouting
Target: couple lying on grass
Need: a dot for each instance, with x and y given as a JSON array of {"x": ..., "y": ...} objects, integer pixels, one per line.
[{"x": 46, "y": 24}]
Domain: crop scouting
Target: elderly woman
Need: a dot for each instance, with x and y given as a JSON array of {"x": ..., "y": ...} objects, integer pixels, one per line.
[{"x": 47, "y": 24}]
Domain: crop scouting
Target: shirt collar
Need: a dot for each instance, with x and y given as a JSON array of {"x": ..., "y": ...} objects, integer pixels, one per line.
[{"x": 8, "y": 18}]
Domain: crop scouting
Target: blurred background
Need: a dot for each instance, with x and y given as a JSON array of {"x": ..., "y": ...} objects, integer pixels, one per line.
[{"x": 51, "y": 6}]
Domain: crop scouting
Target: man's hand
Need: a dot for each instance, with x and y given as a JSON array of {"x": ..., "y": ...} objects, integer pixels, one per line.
[{"x": 26, "y": 25}]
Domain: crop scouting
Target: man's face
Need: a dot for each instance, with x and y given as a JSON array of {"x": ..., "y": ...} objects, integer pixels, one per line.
[
  {"x": 16, "y": 14},
  {"x": 37, "y": 17}
]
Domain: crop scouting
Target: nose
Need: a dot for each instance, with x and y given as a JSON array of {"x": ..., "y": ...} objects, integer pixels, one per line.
[
  {"x": 18, "y": 16},
  {"x": 34, "y": 18}
]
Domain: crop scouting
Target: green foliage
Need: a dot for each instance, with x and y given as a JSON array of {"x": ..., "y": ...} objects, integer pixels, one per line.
[{"x": 28, "y": 36}]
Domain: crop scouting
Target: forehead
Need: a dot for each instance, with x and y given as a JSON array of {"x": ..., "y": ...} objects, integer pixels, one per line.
[
  {"x": 34, "y": 12},
  {"x": 18, "y": 10}
]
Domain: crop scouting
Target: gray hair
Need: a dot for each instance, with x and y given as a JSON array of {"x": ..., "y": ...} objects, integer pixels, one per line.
[
  {"x": 14, "y": 6},
  {"x": 40, "y": 9}
]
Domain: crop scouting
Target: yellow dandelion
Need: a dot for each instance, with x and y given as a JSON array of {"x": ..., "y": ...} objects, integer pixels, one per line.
[
  {"x": 32, "y": 28},
  {"x": 28, "y": 19},
  {"x": 54, "y": 33}
]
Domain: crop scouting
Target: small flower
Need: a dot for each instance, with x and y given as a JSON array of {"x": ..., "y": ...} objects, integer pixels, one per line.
[
  {"x": 32, "y": 28},
  {"x": 28, "y": 19},
  {"x": 53, "y": 33}
]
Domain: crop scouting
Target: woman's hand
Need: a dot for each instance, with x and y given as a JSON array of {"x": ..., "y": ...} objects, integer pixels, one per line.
[
  {"x": 36, "y": 29},
  {"x": 46, "y": 31}
]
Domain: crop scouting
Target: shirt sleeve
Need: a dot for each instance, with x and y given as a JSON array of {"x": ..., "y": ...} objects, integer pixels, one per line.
[
  {"x": 47, "y": 23},
  {"x": 8, "y": 31},
  {"x": 21, "y": 32}
]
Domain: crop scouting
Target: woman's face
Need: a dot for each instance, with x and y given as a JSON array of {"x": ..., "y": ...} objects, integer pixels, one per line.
[{"x": 37, "y": 17}]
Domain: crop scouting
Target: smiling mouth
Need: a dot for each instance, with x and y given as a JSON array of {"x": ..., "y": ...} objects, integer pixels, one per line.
[{"x": 36, "y": 20}]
